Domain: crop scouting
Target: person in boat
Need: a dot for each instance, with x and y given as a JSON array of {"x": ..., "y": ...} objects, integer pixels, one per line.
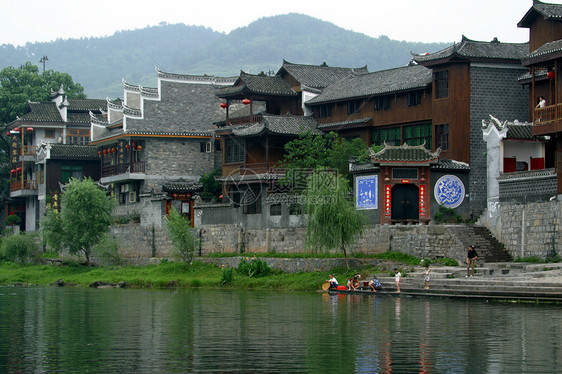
[
  {"x": 351, "y": 285},
  {"x": 375, "y": 284},
  {"x": 333, "y": 282}
]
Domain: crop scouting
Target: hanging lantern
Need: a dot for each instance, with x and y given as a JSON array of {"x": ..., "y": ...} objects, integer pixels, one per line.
[
  {"x": 220, "y": 197},
  {"x": 112, "y": 150},
  {"x": 246, "y": 101},
  {"x": 8, "y": 133},
  {"x": 175, "y": 196},
  {"x": 127, "y": 146},
  {"x": 223, "y": 105},
  {"x": 105, "y": 151},
  {"x": 13, "y": 171},
  {"x": 29, "y": 129},
  {"x": 189, "y": 196},
  {"x": 550, "y": 74},
  {"x": 99, "y": 153},
  {"x": 134, "y": 144},
  {"x": 139, "y": 147},
  {"x": 18, "y": 170}
]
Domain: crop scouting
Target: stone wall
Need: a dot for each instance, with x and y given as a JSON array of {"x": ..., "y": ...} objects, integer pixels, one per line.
[
  {"x": 493, "y": 90},
  {"x": 530, "y": 229},
  {"x": 141, "y": 243}
]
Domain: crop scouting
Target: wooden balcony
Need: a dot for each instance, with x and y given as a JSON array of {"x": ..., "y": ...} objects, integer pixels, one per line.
[
  {"x": 134, "y": 167},
  {"x": 19, "y": 185},
  {"x": 29, "y": 150},
  {"x": 547, "y": 120},
  {"x": 244, "y": 120}
]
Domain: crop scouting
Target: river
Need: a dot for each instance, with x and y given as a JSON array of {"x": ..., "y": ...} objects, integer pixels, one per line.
[{"x": 83, "y": 330}]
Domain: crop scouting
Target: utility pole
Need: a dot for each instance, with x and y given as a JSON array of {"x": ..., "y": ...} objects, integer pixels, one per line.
[{"x": 43, "y": 60}]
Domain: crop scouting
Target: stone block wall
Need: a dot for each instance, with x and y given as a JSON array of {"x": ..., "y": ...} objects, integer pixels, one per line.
[
  {"x": 493, "y": 90},
  {"x": 141, "y": 243},
  {"x": 531, "y": 229}
]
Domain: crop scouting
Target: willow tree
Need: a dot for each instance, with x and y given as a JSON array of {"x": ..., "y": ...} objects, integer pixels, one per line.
[{"x": 333, "y": 221}]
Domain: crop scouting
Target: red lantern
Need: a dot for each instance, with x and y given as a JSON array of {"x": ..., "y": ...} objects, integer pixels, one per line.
[
  {"x": 175, "y": 196},
  {"x": 13, "y": 171},
  {"x": 99, "y": 153},
  {"x": 134, "y": 144},
  {"x": 139, "y": 147},
  {"x": 112, "y": 150},
  {"x": 223, "y": 105},
  {"x": 29, "y": 129},
  {"x": 105, "y": 151},
  {"x": 127, "y": 146},
  {"x": 550, "y": 74},
  {"x": 18, "y": 170},
  {"x": 246, "y": 101},
  {"x": 8, "y": 133},
  {"x": 220, "y": 197}
]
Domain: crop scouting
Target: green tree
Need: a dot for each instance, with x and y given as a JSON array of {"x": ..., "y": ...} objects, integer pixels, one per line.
[
  {"x": 84, "y": 219},
  {"x": 212, "y": 189},
  {"x": 333, "y": 221},
  {"x": 183, "y": 236}
]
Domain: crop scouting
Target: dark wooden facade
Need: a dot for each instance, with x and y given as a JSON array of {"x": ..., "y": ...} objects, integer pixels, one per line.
[{"x": 545, "y": 67}]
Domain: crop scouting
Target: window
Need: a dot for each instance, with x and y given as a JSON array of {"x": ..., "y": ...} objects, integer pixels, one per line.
[
  {"x": 251, "y": 200},
  {"x": 441, "y": 84},
  {"x": 392, "y": 136},
  {"x": 78, "y": 136},
  {"x": 217, "y": 145},
  {"x": 418, "y": 134},
  {"x": 275, "y": 210},
  {"x": 70, "y": 171},
  {"x": 442, "y": 137},
  {"x": 50, "y": 133},
  {"x": 234, "y": 151},
  {"x": 382, "y": 102},
  {"x": 354, "y": 106},
  {"x": 205, "y": 147},
  {"x": 324, "y": 110},
  {"x": 414, "y": 98}
]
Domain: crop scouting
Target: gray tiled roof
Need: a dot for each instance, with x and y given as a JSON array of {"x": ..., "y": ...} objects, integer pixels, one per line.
[
  {"x": 446, "y": 164},
  {"x": 544, "y": 52},
  {"x": 182, "y": 185},
  {"x": 283, "y": 125},
  {"x": 471, "y": 49},
  {"x": 405, "y": 154},
  {"x": 377, "y": 83},
  {"x": 351, "y": 123},
  {"x": 318, "y": 76},
  {"x": 73, "y": 151},
  {"x": 547, "y": 11},
  {"x": 516, "y": 130},
  {"x": 47, "y": 111},
  {"x": 258, "y": 84}
]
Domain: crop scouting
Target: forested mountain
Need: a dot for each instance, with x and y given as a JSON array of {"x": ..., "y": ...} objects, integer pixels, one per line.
[{"x": 99, "y": 64}]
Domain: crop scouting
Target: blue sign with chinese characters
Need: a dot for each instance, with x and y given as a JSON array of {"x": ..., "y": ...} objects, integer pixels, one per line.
[{"x": 366, "y": 192}]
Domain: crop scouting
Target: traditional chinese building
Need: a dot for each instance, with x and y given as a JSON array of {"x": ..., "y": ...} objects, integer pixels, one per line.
[
  {"x": 157, "y": 138},
  {"x": 49, "y": 144}
]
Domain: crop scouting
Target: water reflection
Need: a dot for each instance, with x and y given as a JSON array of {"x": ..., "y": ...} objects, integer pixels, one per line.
[{"x": 98, "y": 331}]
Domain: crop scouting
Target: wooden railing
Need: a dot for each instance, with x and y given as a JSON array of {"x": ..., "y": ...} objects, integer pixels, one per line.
[
  {"x": 135, "y": 167},
  {"x": 23, "y": 185},
  {"x": 29, "y": 150},
  {"x": 548, "y": 114},
  {"x": 244, "y": 120}
]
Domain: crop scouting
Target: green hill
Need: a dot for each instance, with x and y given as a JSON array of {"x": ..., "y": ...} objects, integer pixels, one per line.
[{"x": 99, "y": 64}]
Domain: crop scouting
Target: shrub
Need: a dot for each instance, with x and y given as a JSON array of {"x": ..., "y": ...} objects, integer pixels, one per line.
[
  {"x": 253, "y": 268},
  {"x": 12, "y": 220},
  {"x": 107, "y": 251},
  {"x": 182, "y": 235},
  {"x": 19, "y": 248},
  {"x": 227, "y": 275}
]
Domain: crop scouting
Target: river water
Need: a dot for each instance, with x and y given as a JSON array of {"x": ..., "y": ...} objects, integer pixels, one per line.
[{"x": 82, "y": 330}]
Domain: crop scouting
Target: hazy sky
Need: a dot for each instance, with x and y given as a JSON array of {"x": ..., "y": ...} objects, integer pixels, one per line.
[{"x": 411, "y": 20}]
